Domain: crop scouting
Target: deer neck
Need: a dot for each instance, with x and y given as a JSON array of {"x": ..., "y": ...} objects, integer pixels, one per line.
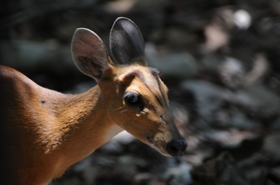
[{"x": 82, "y": 125}]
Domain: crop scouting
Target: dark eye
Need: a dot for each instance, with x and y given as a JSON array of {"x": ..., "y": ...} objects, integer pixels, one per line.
[{"x": 133, "y": 99}]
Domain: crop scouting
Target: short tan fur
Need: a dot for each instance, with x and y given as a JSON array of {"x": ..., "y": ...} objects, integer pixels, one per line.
[{"x": 43, "y": 132}]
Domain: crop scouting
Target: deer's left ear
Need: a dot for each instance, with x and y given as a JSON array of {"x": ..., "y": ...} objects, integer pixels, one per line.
[
  {"x": 126, "y": 42},
  {"x": 89, "y": 53}
]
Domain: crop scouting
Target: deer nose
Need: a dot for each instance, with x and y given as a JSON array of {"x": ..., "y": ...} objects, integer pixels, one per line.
[{"x": 176, "y": 147}]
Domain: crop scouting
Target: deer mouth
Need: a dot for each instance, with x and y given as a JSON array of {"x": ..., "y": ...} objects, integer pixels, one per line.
[{"x": 174, "y": 148}]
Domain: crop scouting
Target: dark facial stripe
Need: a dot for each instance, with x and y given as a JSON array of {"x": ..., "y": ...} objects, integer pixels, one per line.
[{"x": 155, "y": 73}]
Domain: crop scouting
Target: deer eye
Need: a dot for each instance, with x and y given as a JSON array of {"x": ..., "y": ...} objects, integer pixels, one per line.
[{"x": 134, "y": 100}]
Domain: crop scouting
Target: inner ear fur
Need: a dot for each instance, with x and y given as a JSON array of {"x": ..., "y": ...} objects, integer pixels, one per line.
[{"x": 89, "y": 53}]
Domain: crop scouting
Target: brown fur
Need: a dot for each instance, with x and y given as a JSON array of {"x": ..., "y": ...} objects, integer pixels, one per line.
[{"x": 43, "y": 132}]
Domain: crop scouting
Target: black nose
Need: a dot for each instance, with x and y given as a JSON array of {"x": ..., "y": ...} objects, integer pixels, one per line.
[{"x": 176, "y": 147}]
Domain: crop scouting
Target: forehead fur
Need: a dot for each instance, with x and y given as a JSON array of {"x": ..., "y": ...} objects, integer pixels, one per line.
[{"x": 148, "y": 80}]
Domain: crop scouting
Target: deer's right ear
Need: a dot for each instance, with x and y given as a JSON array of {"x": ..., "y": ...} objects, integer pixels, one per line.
[
  {"x": 89, "y": 53},
  {"x": 126, "y": 43}
]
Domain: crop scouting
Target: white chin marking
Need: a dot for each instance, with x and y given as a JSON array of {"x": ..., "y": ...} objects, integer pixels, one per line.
[{"x": 160, "y": 151}]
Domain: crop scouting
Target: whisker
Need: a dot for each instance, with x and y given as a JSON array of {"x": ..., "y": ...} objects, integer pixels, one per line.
[
  {"x": 120, "y": 108},
  {"x": 124, "y": 111}
]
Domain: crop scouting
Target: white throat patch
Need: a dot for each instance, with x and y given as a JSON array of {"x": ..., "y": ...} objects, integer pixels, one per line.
[{"x": 114, "y": 130}]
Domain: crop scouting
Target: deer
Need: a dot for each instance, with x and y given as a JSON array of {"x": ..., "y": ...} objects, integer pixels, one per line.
[{"x": 43, "y": 132}]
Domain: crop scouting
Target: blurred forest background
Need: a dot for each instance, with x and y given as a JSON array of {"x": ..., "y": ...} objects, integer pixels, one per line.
[{"x": 219, "y": 58}]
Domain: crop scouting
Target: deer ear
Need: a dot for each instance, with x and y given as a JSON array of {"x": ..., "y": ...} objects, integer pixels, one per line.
[
  {"x": 89, "y": 53},
  {"x": 126, "y": 42}
]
